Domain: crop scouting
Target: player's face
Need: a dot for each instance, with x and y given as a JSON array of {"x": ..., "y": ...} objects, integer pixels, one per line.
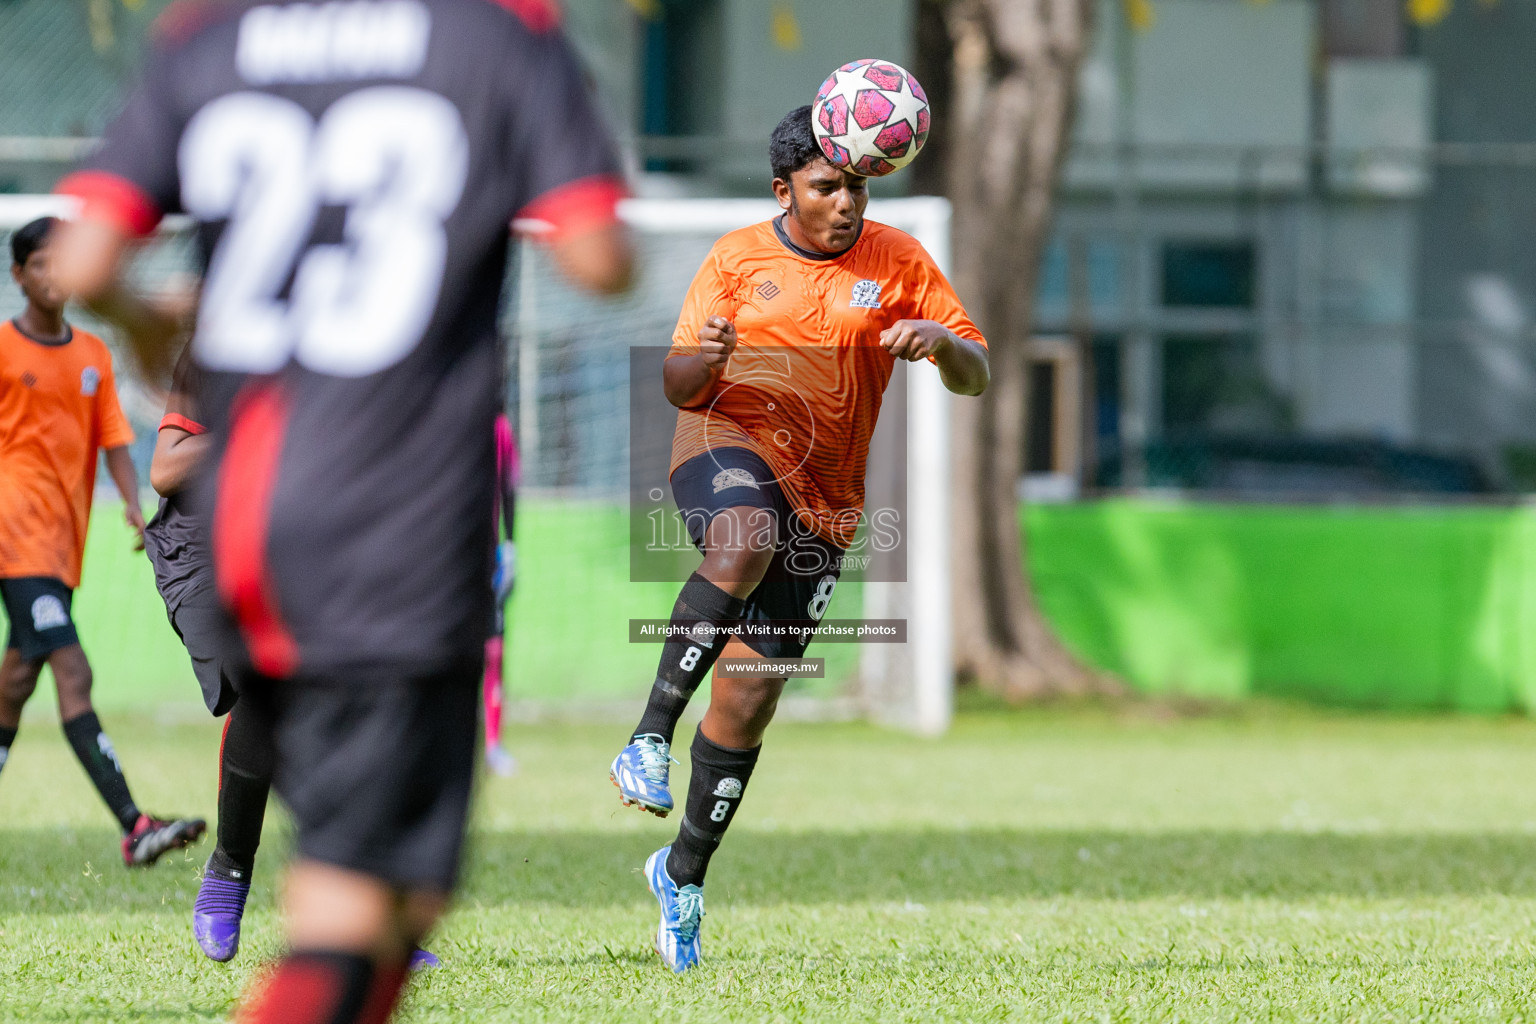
[
  {"x": 37, "y": 283},
  {"x": 825, "y": 203}
]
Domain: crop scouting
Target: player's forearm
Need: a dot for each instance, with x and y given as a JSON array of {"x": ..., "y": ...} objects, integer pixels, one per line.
[
  {"x": 120, "y": 466},
  {"x": 963, "y": 366},
  {"x": 688, "y": 380}
]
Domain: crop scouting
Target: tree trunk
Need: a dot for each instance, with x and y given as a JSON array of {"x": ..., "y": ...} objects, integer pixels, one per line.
[{"x": 1014, "y": 66}]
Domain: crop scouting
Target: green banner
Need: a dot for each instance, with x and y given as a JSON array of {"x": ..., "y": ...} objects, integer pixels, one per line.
[{"x": 1409, "y": 608}]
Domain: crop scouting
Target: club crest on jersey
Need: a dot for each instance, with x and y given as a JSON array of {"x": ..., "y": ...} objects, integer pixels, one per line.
[
  {"x": 90, "y": 380},
  {"x": 728, "y": 788},
  {"x": 734, "y": 477},
  {"x": 866, "y": 295},
  {"x": 48, "y": 613}
]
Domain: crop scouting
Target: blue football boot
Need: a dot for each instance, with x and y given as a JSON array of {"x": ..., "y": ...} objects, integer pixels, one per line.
[
  {"x": 682, "y": 909},
  {"x": 640, "y": 772}
]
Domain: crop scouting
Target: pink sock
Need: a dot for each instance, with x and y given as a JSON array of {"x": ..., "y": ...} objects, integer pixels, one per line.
[{"x": 493, "y": 692}]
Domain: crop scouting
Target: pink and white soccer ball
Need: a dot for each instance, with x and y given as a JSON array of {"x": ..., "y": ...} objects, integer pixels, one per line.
[{"x": 871, "y": 117}]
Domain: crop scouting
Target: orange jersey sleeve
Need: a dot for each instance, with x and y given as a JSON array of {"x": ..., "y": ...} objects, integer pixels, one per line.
[
  {"x": 709, "y": 295},
  {"x": 115, "y": 431},
  {"x": 930, "y": 296}
]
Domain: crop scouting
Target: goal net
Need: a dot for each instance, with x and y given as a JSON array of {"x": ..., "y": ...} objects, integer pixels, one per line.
[{"x": 579, "y": 399}]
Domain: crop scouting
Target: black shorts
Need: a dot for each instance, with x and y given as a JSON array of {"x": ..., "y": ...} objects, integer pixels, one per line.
[
  {"x": 376, "y": 768},
  {"x": 804, "y": 571},
  {"x": 204, "y": 627},
  {"x": 38, "y": 608}
]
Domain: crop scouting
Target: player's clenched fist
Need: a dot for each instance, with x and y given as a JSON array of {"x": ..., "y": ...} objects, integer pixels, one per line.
[
  {"x": 915, "y": 339},
  {"x": 717, "y": 340}
]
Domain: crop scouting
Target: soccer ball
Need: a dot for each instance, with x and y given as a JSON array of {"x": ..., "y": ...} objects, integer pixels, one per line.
[{"x": 870, "y": 117}]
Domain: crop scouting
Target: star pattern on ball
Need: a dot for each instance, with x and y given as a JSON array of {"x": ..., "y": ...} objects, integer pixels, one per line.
[
  {"x": 870, "y": 117},
  {"x": 905, "y": 106},
  {"x": 859, "y": 140},
  {"x": 847, "y": 84}
]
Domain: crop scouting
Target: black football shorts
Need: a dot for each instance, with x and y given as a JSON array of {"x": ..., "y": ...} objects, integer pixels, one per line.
[
  {"x": 38, "y": 608},
  {"x": 204, "y": 627},
  {"x": 376, "y": 768},
  {"x": 798, "y": 585}
]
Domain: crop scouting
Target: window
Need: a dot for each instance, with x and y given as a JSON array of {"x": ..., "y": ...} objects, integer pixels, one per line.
[{"x": 1217, "y": 275}]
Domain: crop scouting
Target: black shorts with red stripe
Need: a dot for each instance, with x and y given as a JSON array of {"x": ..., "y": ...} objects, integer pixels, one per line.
[{"x": 376, "y": 766}]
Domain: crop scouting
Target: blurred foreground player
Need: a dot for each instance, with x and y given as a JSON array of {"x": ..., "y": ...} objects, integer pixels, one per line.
[
  {"x": 185, "y": 578},
  {"x": 497, "y": 758},
  {"x": 58, "y": 408},
  {"x": 354, "y": 169},
  {"x": 768, "y": 472}
]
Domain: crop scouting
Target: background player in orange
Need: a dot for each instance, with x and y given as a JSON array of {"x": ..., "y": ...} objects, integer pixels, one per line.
[
  {"x": 58, "y": 408},
  {"x": 768, "y": 472}
]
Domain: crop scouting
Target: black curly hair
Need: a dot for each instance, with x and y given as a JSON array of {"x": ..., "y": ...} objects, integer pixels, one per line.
[{"x": 792, "y": 144}]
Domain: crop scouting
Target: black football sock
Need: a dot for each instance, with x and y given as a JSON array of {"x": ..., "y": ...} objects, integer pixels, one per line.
[
  {"x": 692, "y": 647},
  {"x": 720, "y": 776},
  {"x": 7, "y": 737},
  {"x": 98, "y": 758},
  {"x": 325, "y": 987},
  {"x": 246, "y": 760}
]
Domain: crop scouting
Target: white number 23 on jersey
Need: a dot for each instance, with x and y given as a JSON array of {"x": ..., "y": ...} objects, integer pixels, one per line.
[{"x": 394, "y": 157}]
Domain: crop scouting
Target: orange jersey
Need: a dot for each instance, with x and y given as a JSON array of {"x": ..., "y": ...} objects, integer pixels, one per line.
[
  {"x": 803, "y": 387},
  {"x": 58, "y": 407}
]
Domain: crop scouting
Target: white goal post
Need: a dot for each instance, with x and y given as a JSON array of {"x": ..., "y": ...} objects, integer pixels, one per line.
[{"x": 909, "y": 686}]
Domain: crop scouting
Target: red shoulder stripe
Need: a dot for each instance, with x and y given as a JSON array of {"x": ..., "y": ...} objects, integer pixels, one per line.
[
  {"x": 539, "y": 15},
  {"x": 180, "y": 422},
  {"x": 114, "y": 199},
  {"x": 181, "y": 20},
  {"x": 572, "y": 207}
]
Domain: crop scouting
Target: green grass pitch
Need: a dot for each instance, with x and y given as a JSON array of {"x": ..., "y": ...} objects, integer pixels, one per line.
[{"x": 1055, "y": 865}]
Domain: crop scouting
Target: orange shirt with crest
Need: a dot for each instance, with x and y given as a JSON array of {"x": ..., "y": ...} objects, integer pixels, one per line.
[
  {"x": 58, "y": 408},
  {"x": 804, "y": 386}
]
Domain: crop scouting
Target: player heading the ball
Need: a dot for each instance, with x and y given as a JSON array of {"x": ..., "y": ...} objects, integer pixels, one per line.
[{"x": 787, "y": 339}]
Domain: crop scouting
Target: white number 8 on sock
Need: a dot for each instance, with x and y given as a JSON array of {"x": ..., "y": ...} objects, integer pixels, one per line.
[{"x": 722, "y": 808}]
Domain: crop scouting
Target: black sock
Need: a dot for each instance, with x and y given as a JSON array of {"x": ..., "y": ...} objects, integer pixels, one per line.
[
  {"x": 720, "y": 776},
  {"x": 98, "y": 758},
  {"x": 688, "y": 656},
  {"x": 7, "y": 737},
  {"x": 246, "y": 759}
]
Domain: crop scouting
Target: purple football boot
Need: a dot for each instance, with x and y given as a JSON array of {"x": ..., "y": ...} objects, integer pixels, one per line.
[
  {"x": 216, "y": 915},
  {"x": 421, "y": 960}
]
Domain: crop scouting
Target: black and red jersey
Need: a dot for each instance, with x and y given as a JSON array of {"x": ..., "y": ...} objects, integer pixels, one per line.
[{"x": 353, "y": 168}]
